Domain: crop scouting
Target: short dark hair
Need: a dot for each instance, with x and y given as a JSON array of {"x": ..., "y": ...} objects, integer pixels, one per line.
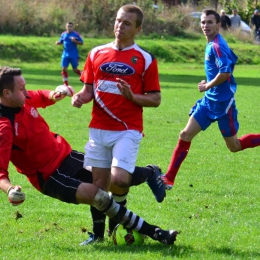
[
  {"x": 7, "y": 75},
  {"x": 136, "y": 10},
  {"x": 209, "y": 12}
]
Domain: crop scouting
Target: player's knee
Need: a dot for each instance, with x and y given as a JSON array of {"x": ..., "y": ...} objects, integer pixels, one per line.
[
  {"x": 185, "y": 136},
  {"x": 120, "y": 180},
  {"x": 234, "y": 146},
  {"x": 233, "y": 149},
  {"x": 120, "y": 177}
]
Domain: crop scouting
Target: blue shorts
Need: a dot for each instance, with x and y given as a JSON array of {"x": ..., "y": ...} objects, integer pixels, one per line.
[
  {"x": 66, "y": 61},
  {"x": 206, "y": 111}
]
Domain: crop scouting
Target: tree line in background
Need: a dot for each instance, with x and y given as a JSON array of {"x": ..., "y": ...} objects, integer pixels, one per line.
[{"x": 96, "y": 18}]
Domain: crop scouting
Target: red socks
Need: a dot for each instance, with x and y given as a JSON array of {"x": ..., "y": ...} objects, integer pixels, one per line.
[
  {"x": 250, "y": 141},
  {"x": 182, "y": 148},
  {"x": 65, "y": 76},
  {"x": 179, "y": 154}
]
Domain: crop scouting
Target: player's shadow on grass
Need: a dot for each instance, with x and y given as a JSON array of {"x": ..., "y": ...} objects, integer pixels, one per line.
[
  {"x": 143, "y": 250},
  {"x": 163, "y": 250},
  {"x": 48, "y": 77},
  {"x": 45, "y": 72},
  {"x": 176, "y": 250},
  {"x": 182, "y": 251},
  {"x": 190, "y": 79},
  {"x": 164, "y": 78},
  {"x": 236, "y": 254}
]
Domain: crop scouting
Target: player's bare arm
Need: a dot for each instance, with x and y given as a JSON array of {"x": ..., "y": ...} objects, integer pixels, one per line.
[
  {"x": 152, "y": 99},
  {"x": 220, "y": 78},
  {"x": 85, "y": 95}
]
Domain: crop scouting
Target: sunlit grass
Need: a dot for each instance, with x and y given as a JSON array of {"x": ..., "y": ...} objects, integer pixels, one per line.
[{"x": 215, "y": 202}]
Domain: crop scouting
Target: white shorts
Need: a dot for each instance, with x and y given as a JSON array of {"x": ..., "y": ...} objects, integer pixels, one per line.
[{"x": 112, "y": 148}]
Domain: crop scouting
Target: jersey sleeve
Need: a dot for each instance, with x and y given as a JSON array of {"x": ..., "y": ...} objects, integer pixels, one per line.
[
  {"x": 39, "y": 98},
  {"x": 87, "y": 76},
  {"x": 225, "y": 58},
  {"x": 61, "y": 40},
  {"x": 6, "y": 141},
  {"x": 78, "y": 37},
  {"x": 151, "y": 78}
]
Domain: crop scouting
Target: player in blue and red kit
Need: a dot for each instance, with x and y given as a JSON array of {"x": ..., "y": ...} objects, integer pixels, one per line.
[
  {"x": 70, "y": 39},
  {"x": 218, "y": 103}
]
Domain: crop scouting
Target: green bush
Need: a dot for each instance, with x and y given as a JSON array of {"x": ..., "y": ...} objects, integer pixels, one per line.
[
  {"x": 95, "y": 18},
  {"x": 91, "y": 17}
]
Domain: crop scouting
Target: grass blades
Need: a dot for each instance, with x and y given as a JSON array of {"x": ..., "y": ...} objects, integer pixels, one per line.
[{"x": 214, "y": 203}]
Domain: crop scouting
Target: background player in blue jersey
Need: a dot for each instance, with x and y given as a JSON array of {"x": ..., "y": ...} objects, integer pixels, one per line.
[
  {"x": 70, "y": 39},
  {"x": 218, "y": 103}
]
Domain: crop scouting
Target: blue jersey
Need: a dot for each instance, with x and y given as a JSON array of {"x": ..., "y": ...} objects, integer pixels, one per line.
[
  {"x": 70, "y": 48},
  {"x": 219, "y": 58}
]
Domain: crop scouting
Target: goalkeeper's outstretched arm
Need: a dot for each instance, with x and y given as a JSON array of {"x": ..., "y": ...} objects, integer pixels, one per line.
[{"x": 61, "y": 92}]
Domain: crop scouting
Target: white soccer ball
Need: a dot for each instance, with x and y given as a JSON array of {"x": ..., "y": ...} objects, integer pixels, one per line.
[
  {"x": 16, "y": 196},
  {"x": 65, "y": 90}
]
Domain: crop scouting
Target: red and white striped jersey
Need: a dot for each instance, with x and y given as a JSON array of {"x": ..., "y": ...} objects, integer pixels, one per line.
[{"x": 104, "y": 64}]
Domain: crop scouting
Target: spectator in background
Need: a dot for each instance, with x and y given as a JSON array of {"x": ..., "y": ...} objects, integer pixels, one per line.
[
  {"x": 224, "y": 20},
  {"x": 235, "y": 20},
  {"x": 70, "y": 40},
  {"x": 255, "y": 21}
]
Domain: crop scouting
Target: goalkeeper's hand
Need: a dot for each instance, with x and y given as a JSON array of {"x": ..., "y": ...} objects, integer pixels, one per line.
[
  {"x": 62, "y": 91},
  {"x": 15, "y": 195}
]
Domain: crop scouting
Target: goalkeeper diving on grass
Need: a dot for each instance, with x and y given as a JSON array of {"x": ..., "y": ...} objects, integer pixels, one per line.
[{"x": 47, "y": 159}]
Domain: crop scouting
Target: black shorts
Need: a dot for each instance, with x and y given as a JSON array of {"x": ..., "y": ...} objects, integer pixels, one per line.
[{"x": 65, "y": 180}]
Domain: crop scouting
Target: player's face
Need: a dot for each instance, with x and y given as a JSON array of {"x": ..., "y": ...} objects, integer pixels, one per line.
[
  {"x": 125, "y": 26},
  {"x": 16, "y": 98},
  {"x": 209, "y": 26},
  {"x": 69, "y": 27}
]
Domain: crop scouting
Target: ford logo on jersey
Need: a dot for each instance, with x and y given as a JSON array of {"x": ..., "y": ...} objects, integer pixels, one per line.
[{"x": 117, "y": 68}]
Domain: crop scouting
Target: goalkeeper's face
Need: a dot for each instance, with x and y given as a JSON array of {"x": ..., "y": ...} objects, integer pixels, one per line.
[{"x": 17, "y": 96}]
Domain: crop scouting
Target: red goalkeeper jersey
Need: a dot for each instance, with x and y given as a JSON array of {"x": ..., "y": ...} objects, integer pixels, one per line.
[
  {"x": 111, "y": 110},
  {"x": 26, "y": 140}
]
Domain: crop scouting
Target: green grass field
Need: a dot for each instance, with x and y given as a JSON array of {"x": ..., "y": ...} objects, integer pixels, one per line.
[{"x": 215, "y": 202}]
